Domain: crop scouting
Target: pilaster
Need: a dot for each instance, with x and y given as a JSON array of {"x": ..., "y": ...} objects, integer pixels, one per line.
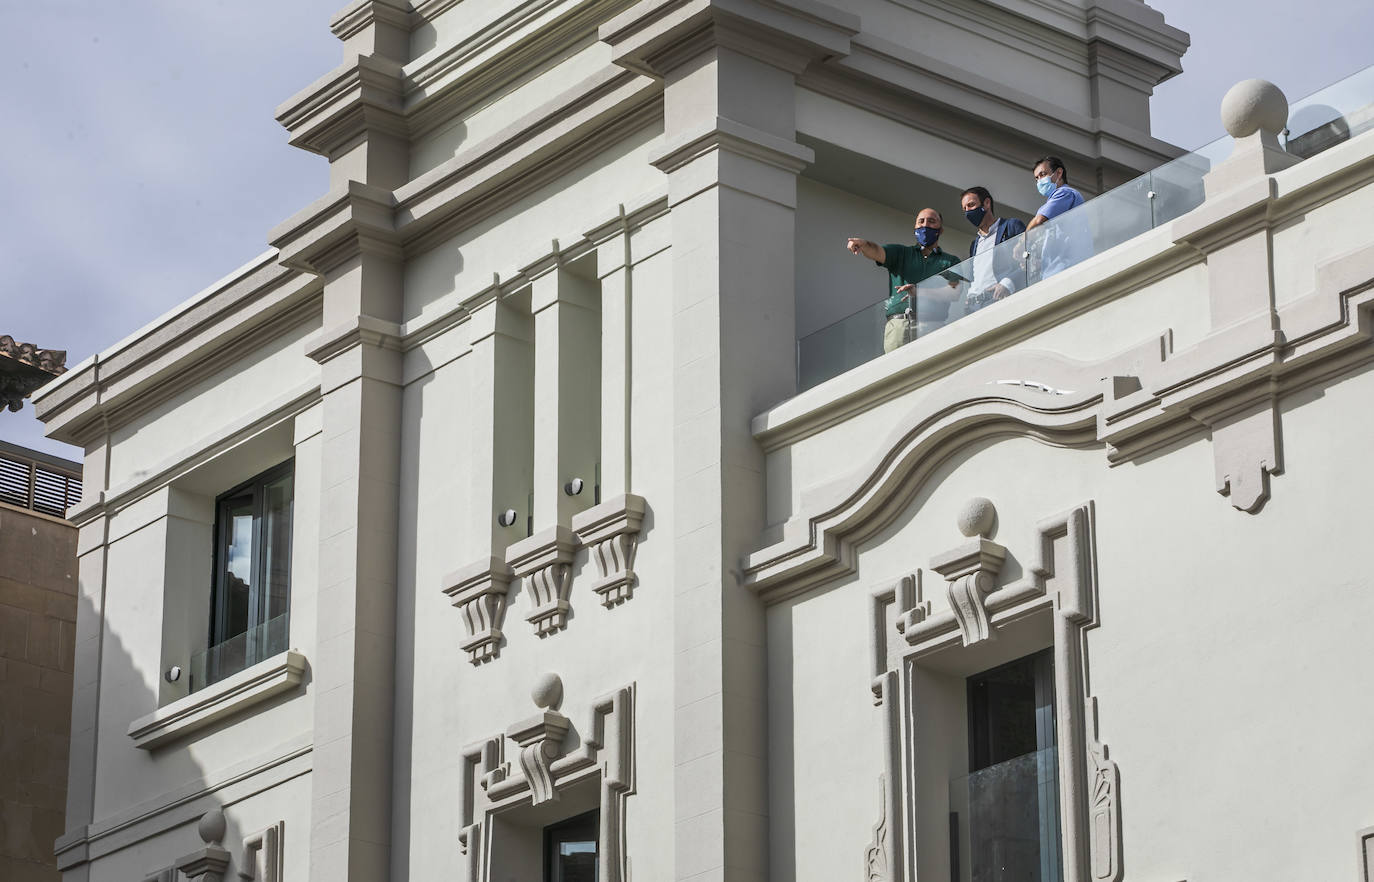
[
  {"x": 617, "y": 352},
  {"x": 731, "y": 157},
  {"x": 567, "y": 391},
  {"x": 349, "y": 240}
]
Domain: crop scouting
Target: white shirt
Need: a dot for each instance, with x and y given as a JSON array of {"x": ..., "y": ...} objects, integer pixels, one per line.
[{"x": 983, "y": 271}]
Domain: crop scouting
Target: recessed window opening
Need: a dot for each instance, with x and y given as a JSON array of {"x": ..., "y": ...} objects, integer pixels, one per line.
[
  {"x": 1005, "y": 813},
  {"x": 570, "y": 849},
  {"x": 250, "y": 606}
]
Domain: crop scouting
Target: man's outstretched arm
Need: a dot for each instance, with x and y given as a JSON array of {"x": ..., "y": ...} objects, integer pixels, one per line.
[{"x": 871, "y": 250}]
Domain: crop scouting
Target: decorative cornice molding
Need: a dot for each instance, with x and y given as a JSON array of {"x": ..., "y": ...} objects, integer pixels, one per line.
[
  {"x": 734, "y": 137},
  {"x": 363, "y": 95},
  {"x": 819, "y": 544},
  {"x": 656, "y": 36},
  {"x": 359, "y": 15},
  {"x": 354, "y": 219}
]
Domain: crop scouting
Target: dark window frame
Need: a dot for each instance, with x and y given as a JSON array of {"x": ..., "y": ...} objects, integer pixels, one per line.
[
  {"x": 586, "y": 820},
  {"x": 219, "y": 596}
]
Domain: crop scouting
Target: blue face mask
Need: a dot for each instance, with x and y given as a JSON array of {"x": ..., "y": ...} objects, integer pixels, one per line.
[
  {"x": 1046, "y": 185},
  {"x": 926, "y": 236},
  {"x": 975, "y": 215}
]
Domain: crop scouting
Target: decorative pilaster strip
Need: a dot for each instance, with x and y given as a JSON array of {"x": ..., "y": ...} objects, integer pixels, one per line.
[
  {"x": 262, "y": 854},
  {"x": 544, "y": 561},
  {"x": 611, "y": 530},
  {"x": 541, "y": 741},
  {"x": 479, "y": 591}
]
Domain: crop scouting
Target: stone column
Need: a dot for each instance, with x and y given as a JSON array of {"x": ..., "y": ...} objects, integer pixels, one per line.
[{"x": 731, "y": 158}]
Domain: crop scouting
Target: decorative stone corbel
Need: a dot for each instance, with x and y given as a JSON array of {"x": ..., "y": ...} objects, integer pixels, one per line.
[
  {"x": 611, "y": 530},
  {"x": 971, "y": 570},
  {"x": 211, "y": 862},
  {"x": 262, "y": 854},
  {"x": 541, "y": 739},
  {"x": 479, "y": 591},
  {"x": 544, "y": 561}
]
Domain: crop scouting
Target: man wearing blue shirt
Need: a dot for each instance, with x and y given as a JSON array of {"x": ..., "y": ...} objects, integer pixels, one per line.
[{"x": 1067, "y": 241}]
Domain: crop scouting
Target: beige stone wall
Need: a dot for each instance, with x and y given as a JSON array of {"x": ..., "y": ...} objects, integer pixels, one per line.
[{"x": 37, "y": 635}]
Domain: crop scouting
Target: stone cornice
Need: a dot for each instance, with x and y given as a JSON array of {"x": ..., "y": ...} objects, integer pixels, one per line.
[
  {"x": 442, "y": 84},
  {"x": 735, "y": 137},
  {"x": 353, "y": 219},
  {"x": 657, "y": 35},
  {"x": 208, "y": 332},
  {"x": 335, "y": 111},
  {"x": 362, "y": 14},
  {"x": 532, "y": 152},
  {"x": 960, "y": 105}
]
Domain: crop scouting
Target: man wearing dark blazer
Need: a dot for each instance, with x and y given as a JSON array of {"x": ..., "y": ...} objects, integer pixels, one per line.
[{"x": 996, "y": 271}]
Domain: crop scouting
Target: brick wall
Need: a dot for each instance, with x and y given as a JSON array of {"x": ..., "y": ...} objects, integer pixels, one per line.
[{"x": 38, "y": 591}]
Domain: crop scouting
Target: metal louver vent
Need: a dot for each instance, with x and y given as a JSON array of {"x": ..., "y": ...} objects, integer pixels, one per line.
[{"x": 34, "y": 485}]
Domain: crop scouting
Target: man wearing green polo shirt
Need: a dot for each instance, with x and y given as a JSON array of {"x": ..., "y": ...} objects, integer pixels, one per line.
[{"x": 908, "y": 315}]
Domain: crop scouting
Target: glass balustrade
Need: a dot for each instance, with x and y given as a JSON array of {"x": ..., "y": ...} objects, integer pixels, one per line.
[
  {"x": 1316, "y": 123},
  {"x": 1004, "y": 821},
  {"x": 222, "y": 660}
]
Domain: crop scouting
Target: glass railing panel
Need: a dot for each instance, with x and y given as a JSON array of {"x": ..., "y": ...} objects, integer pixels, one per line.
[
  {"x": 1335, "y": 114},
  {"x": 836, "y": 348},
  {"x": 1332, "y": 115},
  {"x": 1004, "y": 821},
  {"x": 242, "y": 651}
]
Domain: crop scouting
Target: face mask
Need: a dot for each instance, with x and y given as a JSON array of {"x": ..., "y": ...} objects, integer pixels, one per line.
[
  {"x": 1046, "y": 185},
  {"x": 975, "y": 215},
  {"x": 927, "y": 236}
]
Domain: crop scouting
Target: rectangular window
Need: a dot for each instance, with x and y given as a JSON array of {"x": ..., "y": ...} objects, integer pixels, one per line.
[
  {"x": 250, "y": 606},
  {"x": 1005, "y": 812},
  {"x": 570, "y": 849}
]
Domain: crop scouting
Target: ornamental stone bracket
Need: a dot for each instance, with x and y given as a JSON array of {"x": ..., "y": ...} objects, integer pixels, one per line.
[
  {"x": 971, "y": 571},
  {"x": 544, "y": 561},
  {"x": 541, "y": 741},
  {"x": 611, "y": 530},
  {"x": 546, "y": 773},
  {"x": 479, "y": 590}
]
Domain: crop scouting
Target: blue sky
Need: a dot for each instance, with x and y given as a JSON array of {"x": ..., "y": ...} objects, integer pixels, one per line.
[{"x": 141, "y": 160}]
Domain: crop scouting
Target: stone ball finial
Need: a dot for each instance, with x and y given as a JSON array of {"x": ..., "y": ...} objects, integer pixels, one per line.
[
  {"x": 1252, "y": 106},
  {"x": 211, "y": 827},
  {"x": 977, "y": 517},
  {"x": 548, "y": 691}
]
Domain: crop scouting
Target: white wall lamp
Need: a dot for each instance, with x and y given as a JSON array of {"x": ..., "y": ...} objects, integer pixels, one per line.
[
  {"x": 507, "y": 518},
  {"x": 573, "y": 487}
]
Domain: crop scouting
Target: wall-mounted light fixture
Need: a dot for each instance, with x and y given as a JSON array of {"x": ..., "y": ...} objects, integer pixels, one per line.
[
  {"x": 172, "y": 674},
  {"x": 573, "y": 487},
  {"x": 506, "y": 518}
]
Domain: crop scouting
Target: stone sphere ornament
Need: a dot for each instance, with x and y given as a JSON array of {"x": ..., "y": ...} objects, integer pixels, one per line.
[
  {"x": 1252, "y": 106},
  {"x": 548, "y": 691},
  {"x": 211, "y": 827},
  {"x": 977, "y": 517}
]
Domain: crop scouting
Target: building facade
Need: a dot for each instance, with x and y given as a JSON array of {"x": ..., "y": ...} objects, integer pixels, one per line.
[
  {"x": 38, "y": 590},
  {"x": 486, "y": 526}
]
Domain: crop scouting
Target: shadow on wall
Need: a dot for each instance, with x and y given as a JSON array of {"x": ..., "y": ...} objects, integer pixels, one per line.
[{"x": 187, "y": 827}]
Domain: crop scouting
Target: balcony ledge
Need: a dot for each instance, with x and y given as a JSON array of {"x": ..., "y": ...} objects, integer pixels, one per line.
[
  {"x": 1095, "y": 281},
  {"x": 254, "y": 685}
]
